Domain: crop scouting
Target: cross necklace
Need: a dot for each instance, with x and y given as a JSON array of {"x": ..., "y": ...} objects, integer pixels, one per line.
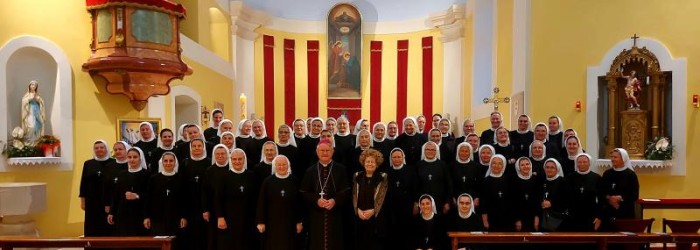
[{"x": 323, "y": 187}]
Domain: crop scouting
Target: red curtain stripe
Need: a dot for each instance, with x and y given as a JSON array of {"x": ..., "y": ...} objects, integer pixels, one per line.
[
  {"x": 289, "y": 83},
  {"x": 427, "y": 44},
  {"x": 375, "y": 78},
  {"x": 401, "y": 82},
  {"x": 312, "y": 70},
  {"x": 269, "y": 84}
]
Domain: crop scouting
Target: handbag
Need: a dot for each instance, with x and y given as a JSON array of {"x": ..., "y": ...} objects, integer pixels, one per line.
[{"x": 551, "y": 220}]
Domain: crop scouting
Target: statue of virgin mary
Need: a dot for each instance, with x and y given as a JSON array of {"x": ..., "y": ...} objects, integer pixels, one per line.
[{"x": 33, "y": 115}]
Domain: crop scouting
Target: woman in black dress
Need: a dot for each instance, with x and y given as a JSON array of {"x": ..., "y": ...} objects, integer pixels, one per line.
[
  {"x": 619, "y": 188},
  {"x": 279, "y": 215},
  {"x": 555, "y": 193},
  {"x": 166, "y": 143},
  {"x": 401, "y": 194},
  {"x": 584, "y": 208},
  {"x": 573, "y": 148},
  {"x": 429, "y": 230},
  {"x": 130, "y": 192},
  {"x": 526, "y": 191},
  {"x": 496, "y": 197},
  {"x": 235, "y": 200},
  {"x": 434, "y": 177},
  {"x": 165, "y": 212},
  {"x": 92, "y": 196},
  {"x": 369, "y": 192},
  {"x": 229, "y": 140},
  {"x": 467, "y": 176}
]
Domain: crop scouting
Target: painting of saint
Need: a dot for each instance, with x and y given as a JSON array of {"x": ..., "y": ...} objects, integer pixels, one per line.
[{"x": 344, "y": 51}]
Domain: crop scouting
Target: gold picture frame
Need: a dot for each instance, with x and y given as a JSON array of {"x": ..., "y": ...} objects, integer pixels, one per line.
[{"x": 128, "y": 128}]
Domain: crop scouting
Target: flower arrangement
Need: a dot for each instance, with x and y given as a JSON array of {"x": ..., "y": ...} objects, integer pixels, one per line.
[
  {"x": 659, "y": 149},
  {"x": 47, "y": 144}
]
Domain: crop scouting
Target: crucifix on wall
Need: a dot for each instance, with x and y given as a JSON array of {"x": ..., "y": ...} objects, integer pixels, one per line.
[{"x": 495, "y": 99}]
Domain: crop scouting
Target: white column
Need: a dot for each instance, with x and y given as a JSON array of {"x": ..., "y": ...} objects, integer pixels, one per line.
[
  {"x": 484, "y": 56},
  {"x": 244, "y": 21},
  {"x": 521, "y": 52},
  {"x": 451, "y": 25}
]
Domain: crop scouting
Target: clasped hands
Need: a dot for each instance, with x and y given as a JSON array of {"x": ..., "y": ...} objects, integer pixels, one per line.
[{"x": 326, "y": 204}]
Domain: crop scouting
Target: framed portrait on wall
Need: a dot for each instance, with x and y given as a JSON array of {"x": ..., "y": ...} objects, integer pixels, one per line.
[
  {"x": 344, "y": 52},
  {"x": 128, "y": 129}
]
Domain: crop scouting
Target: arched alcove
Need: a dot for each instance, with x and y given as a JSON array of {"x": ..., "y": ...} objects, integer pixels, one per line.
[
  {"x": 185, "y": 106},
  {"x": 678, "y": 67},
  {"x": 27, "y": 58}
]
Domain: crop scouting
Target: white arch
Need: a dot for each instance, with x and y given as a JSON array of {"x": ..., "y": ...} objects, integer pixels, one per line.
[
  {"x": 181, "y": 90},
  {"x": 62, "y": 112},
  {"x": 679, "y": 81}
]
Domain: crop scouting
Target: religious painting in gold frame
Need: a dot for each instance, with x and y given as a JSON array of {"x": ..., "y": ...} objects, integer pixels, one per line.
[
  {"x": 344, "y": 52},
  {"x": 128, "y": 129}
]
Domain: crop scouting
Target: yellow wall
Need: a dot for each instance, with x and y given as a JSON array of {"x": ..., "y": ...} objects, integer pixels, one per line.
[
  {"x": 389, "y": 58},
  {"x": 207, "y": 25},
  {"x": 67, "y": 24},
  {"x": 568, "y": 36}
]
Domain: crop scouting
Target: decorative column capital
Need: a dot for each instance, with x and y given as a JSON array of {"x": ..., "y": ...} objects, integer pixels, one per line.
[
  {"x": 450, "y": 22},
  {"x": 245, "y": 20}
]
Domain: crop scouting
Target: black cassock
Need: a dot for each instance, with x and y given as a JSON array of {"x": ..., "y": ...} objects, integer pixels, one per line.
[
  {"x": 429, "y": 234},
  {"x": 344, "y": 145},
  {"x": 557, "y": 140},
  {"x": 495, "y": 203},
  {"x": 538, "y": 168},
  {"x": 210, "y": 186},
  {"x": 521, "y": 142},
  {"x": 447, "y": 152},
  {"x": 291, "y": 152},
  {"x": 584, "y": 204},
  {"x": 235, "y": 201},
  {"x": 165, "y": 204},
  {"x": 487, "y": 136},
  {"x": 526, "y": 198},
  {"x": 156, "y": 154},
  {"x": 557, "y": 193},
  {"x": 467, "y": 178},
  {"x": 302, "y": 162},
  {"x": 147, "y": 147},
  {"x": 254, "y": 150},
  {"x": 434, "y": 179},
  {"x": 411, "y": 146},
  {"x": 401, "y": 195},
  {"x": 473, "y": 223},
  {"x": 279, "y": 208},
  {"x": 326, "y": 226},
  {"x": 507, "y": 152},
  {"x": 92, "y": 182},
  {"x": 385, "y": 148},
  {"x": 623, "y": 183},
  {"x": 128, "y": 214},
  {"x": 112, "y": 169},
  {"x": 244, "y": 143},
  {"x": 197, "y": 229},
  {"x": 211, "y": 133},
  {"x": 262, "y": 170}
]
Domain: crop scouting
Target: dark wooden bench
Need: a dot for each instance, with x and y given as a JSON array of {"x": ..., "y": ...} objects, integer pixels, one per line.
[
  {"x": 600, "y": 239},
  {"x": 164, "y": 243}
]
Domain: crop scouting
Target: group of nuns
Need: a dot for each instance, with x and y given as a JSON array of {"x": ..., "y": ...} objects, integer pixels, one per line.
[{"x": 224, "y": 189}]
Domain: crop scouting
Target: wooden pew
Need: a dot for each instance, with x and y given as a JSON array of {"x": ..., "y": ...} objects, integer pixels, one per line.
[
  {"x": 164, "y": 243},
  {"x": 600, "y": 239}
]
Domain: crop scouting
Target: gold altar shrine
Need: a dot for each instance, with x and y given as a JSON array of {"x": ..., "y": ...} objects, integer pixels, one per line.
[{"x": 636, "y": 105}]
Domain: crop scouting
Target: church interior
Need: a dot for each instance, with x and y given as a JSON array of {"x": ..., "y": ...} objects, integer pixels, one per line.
[{"x": 280, "y": 60}]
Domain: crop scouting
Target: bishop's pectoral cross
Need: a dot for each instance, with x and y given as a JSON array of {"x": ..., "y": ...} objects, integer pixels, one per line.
[
  {"x": 464, "y": 179},
  {"x": 242, "y": 188},
  {"x": 167, "y": 192},
  {"x": 500, "y": 194},
  {"x": 282, "y": 193},
  {"x": 430, "y": 177},
  {"x": 322, "y": 194},
  {"x": 495, "y": 99},
  {"x": 613, "y": 186}
]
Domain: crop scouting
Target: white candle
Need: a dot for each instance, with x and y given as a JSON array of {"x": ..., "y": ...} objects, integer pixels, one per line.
[{"x": 244, "y": 108}]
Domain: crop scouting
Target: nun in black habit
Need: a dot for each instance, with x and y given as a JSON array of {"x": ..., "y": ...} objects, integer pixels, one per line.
[
  {"x": 496, "y": 198},
  {"x": 410, "y": 141},
  {"x": 434, "y": 177},
  {"x": 619, "y": 188},
  {"x": 467, "y": 176},
  {"x": 279, "y": 212},
  {"x": 429, "y": 228},
  {"x": 526, "y": 193},
  {"x": 235, "y": 199},
  {"x": 92, "y": 195},
  {"x": 584, "y": 208},
  {"x": 130, "y": 192},
  {"x": 194, "y": 169},
  {"x": 164, "y": 211},
  {"x": 400, "y": 196}
]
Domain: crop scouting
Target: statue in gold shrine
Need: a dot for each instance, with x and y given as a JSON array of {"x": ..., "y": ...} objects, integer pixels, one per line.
[{"x": 632, "y": 89}]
